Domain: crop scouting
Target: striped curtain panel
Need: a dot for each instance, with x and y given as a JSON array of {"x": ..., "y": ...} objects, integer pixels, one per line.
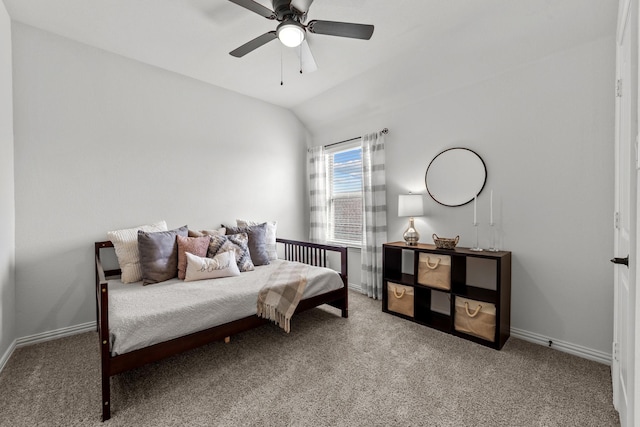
[
  {"x": 317, "y": 173},
  {"x": 374, "y": 215}
]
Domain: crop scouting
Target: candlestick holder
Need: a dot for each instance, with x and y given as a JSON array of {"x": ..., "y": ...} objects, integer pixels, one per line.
[
  {"x": 476, "y": 247},
  {"x": 493, "y": 247}
]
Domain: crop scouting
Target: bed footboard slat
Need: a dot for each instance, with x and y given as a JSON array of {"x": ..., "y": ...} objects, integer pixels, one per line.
[{"x": 317, "y": 254}]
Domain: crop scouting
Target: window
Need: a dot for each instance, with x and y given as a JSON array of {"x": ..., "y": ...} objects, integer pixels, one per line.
[{"x": 345, "y": 196}]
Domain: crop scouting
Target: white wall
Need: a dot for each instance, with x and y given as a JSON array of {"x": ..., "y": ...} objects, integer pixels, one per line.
[
  {"x": 103, "y": 142},
  {"x": 545, "y": 131},
  {"x": 7, "y": 200}
]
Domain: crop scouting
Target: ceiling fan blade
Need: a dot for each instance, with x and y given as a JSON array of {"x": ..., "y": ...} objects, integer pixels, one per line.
[
  {"x": 255, "y": 7},
  {"x": 253, "y": 44},
  {"x": 301, "y": 5},
  {"x": 307, "y": 61},
  {"x": 341, "y": 29}
]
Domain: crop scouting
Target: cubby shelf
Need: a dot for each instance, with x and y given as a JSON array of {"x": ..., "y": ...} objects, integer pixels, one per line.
[{"x": 482, "y": 276}]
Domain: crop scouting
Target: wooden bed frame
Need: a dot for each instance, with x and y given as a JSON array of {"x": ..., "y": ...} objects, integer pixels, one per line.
[{"x": 308, "y": 253}]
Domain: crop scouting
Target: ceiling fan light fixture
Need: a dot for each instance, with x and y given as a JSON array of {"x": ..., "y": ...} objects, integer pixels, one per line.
[{"x": 290, "y": 33}]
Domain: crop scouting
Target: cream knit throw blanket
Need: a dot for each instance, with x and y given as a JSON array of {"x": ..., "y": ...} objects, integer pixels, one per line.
[{"x": 280, "y": 296}]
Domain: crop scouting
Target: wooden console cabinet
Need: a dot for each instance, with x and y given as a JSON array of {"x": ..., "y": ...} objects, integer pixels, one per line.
[{"x": 482, "y": 278}]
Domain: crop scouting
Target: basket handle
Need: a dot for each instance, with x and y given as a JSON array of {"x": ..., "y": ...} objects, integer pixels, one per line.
[
  {"x": 457, "y": 239},
  {"x": 395, "y": 292},
  {"x": 435, "y": 265},
  {"x": 466, "y": 307}
]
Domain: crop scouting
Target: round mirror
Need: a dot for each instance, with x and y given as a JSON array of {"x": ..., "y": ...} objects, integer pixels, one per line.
[{"x": 455, "y": 176}]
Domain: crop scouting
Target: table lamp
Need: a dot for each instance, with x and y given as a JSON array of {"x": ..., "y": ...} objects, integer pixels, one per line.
[{"x": 411, "y": 205}]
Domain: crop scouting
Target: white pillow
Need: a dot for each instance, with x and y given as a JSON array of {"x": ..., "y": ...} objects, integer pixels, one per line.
[
  {"x": 222, "y": 265},
  {"x": 216, "y": 232},
  {"x": 272, "y": 226},
  {"x": 125, "y": 243}
]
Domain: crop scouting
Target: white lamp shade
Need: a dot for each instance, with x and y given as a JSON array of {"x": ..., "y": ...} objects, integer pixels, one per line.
[
  {"x": 410, "y": 205},
  {"x": 291, "y": 35}
]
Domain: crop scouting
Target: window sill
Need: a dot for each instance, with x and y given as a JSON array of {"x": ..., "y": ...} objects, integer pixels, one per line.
[{"x": 347, "y": 244}]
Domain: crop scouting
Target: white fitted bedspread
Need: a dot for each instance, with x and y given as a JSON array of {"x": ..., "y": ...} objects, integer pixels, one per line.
[{"x": 140, "y": 316}]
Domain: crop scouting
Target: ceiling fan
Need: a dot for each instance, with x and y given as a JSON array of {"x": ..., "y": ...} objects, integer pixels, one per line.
[{"x": 292, "y": 30}]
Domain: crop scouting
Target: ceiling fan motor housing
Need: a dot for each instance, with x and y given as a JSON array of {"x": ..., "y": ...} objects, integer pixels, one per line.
[{"x": 283, "y": 10}]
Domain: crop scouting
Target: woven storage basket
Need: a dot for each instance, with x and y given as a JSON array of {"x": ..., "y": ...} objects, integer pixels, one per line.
[
  {"x": 445, "y": 242},
  {"x": 400, "y": 299},
  {"x": 434, "y": 270},
  {"x": 475, "y": 318}
]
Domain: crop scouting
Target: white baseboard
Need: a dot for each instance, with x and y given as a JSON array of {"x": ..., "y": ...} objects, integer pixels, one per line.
[
  {"x": 354, "y": 287},
  {"x": 55, "y": 334},
  {"x": 7, "y": 354},
  {"x": 45, "y": 336},
  {"x": 566, "y": 347}
]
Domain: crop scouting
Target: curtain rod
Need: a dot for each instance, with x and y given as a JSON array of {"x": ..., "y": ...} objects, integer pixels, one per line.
[{"x": 383, "y": 131}]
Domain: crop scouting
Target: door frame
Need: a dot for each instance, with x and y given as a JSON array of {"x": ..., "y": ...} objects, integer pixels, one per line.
[{"x": 627, "y": 16}]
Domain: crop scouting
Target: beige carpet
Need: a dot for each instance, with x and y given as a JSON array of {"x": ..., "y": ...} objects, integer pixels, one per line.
[{"x": 372, "y": 369}]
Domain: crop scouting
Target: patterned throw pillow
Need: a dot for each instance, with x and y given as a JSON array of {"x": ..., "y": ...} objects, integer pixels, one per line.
[
  {"x": 272, "y": 227},
  {"x": 257, "y": 241},
  {"x": 125, "y": 243},
  {"x": 222, "y": 265},
  {"x": 194, "y": 245},
  {"x": 236, "y": 243}
]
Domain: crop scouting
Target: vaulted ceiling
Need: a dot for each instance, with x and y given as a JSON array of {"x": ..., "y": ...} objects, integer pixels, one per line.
[{"x": 413, "y": 39}]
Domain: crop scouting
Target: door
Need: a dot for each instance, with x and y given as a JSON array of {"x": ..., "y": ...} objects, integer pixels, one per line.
[{"x": 624, "y": 351}]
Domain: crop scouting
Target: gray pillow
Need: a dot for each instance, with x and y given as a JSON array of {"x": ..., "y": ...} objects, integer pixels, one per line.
[
  {"x": 257, "y": 241},
  {"x": 159, "y": 254}
]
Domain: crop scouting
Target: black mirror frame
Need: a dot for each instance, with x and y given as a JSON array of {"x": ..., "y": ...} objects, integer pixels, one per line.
[{"x": 426, "y": 183}]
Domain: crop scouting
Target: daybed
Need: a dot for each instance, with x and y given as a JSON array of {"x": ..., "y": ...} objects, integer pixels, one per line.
[{"x": 119, "y": 353}]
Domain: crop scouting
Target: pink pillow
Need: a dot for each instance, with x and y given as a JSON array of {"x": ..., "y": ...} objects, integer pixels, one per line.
[{"x": 196, "y": 245}]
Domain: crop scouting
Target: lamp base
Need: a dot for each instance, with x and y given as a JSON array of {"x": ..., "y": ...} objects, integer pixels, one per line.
[{"x": 411, "y": 235}]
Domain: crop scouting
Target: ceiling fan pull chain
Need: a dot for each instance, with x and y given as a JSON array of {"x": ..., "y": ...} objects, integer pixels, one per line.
[
  {"x": 300, "y": 56},
  {"x": 281, "y": 72}
]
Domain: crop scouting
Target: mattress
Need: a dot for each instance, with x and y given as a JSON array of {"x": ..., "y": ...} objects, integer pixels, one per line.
[{"x": 140, "y": 316}]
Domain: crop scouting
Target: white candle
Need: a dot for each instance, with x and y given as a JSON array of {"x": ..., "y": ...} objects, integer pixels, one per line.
[
  {"x": 491, "y": 212},
  {"x": 475, "y": 203}
]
